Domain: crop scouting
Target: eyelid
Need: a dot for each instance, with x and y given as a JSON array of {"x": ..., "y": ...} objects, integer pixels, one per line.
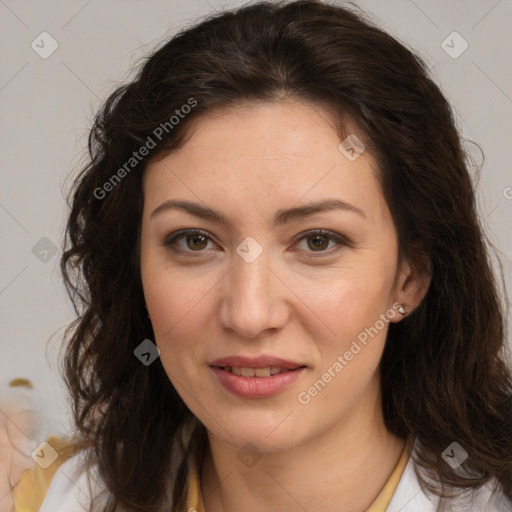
[{"x": 169, "y": 240}]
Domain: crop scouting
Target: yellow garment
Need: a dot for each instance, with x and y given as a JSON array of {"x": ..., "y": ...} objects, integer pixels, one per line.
[
  {"x": 380, "y": 504},
  {"x": 30, "y": 492},
  {"x": 382, "y": 501}
]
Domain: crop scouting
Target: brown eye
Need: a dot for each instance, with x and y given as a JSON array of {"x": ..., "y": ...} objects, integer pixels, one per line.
[
  {"x": 318, "y": 242},
  {"x": 196, "y": 242},
  {"x": 188, "y": 241}
]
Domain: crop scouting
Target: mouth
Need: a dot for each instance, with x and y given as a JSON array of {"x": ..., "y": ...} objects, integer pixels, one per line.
[
  {"x": 268, "y": 371},
  {"x": 260, "y": 366},
  {"x": 256, "y": 378}
]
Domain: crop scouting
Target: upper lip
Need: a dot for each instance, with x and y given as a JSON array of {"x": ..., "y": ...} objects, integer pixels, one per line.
[{"x": 255, "y": 362}]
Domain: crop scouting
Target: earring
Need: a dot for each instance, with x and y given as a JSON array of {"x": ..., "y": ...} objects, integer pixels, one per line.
[{"x": 401, "y": 309}]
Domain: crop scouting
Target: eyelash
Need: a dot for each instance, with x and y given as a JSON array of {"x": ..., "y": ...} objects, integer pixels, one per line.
[{"x": 170, "y": 241}]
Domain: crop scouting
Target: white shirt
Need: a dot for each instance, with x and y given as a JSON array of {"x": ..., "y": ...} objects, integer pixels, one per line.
[{"x": 69, "y": 492}]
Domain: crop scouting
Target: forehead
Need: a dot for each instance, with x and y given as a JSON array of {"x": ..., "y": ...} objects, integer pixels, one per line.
[
  {"x": 260, "y": 153},
  {"x": 260, "y": 130}
]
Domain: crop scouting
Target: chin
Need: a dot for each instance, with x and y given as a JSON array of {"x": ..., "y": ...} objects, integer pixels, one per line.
[{"x": 266, "y": 439}]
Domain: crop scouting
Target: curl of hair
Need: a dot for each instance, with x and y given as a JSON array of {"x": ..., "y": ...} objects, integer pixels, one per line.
[{"x": 444, "y": 374}]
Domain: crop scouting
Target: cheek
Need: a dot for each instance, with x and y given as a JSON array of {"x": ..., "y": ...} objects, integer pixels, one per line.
[
  {"x": 349, "y": 356},
  {"x": 176, "y": 301},
  {"x": 174, "y": 306},
  {"x": 351, "y": 302}
]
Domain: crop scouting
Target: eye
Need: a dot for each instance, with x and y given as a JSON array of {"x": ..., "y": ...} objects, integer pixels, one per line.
[
  {"x": 318, "y": 241},
  {"x": 194, "y": 240}
]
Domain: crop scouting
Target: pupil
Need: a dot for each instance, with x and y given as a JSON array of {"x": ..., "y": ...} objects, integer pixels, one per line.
[
  {"x": 197, "y": 239},
  {"x": 319, "y": 242}
]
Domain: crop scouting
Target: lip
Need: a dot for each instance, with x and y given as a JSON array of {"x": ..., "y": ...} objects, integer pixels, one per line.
[
  {"x": 257, "y": 387},
  {"x": 263, "y": 361}
]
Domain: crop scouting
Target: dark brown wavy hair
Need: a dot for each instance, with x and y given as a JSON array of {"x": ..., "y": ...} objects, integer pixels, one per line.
[{"x": 444, "y": 371}]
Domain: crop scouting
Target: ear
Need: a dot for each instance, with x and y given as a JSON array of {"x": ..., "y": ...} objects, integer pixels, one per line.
[{"x": 411, "y": 286}]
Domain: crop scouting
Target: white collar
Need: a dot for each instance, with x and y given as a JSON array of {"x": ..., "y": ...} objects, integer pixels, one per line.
[
  {"x": 70, "y": 491},
  {"x": 410, "y": 497}
]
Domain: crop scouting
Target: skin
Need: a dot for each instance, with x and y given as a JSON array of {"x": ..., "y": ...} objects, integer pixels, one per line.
[{"x": 294, "y": 301}]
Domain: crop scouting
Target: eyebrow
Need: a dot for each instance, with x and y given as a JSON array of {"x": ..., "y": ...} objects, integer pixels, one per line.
[{"x": 281, "y": 217}]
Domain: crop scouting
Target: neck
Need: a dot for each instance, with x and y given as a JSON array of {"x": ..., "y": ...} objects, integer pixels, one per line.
[{"x": 345, "y": 468}]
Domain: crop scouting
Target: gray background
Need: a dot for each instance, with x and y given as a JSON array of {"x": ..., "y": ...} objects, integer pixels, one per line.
[{"x": 47, "y": 105}]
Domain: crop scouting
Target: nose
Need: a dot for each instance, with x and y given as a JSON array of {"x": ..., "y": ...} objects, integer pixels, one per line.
[{"x": 254, "y": 298}]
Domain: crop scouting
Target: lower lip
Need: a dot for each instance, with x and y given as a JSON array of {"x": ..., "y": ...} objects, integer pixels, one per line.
[{"x": 257, "y": 387}]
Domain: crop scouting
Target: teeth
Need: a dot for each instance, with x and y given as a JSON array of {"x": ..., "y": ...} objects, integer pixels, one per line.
[
  {"x": 247, "y": 372},
  {"x": 254, "y": 372},
  {"x": 262, "y": 372}
]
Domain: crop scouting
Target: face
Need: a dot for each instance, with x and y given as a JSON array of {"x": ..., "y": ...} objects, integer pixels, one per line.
[{"x": 246, "y": 271}]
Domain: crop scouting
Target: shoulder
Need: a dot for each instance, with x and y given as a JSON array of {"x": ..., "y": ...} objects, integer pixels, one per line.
[
  {"x": 74, "y": 487},
  {"x": 29, "y": 492},
  {"x": 490, "y": 498},
  {"x": 63, "y": 483},
  {"x": 410, "y": 497},
  {"x": 72, "y": 484}
]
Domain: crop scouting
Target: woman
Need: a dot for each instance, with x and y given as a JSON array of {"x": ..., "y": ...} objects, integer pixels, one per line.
[{"x": 284, "y": 292}]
